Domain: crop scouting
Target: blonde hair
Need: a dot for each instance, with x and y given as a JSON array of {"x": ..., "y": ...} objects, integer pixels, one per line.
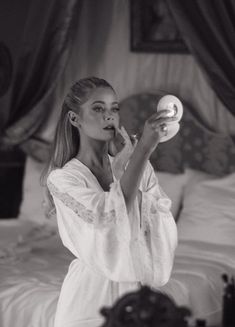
[{"x": 65, "y": 144}]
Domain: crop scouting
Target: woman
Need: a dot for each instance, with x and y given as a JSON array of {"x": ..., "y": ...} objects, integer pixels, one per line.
[{"x": 111, "y": 212}]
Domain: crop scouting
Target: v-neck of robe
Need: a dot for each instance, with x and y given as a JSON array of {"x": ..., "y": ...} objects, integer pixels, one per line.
[{"x": 88, "y": 169}]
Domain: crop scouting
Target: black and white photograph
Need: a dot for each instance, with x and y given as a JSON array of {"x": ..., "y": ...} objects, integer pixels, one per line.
[{"x": 117, "y": 163}]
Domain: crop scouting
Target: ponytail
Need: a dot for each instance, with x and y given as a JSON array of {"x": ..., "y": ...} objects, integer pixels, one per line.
[{"x": 66, "y": 141}]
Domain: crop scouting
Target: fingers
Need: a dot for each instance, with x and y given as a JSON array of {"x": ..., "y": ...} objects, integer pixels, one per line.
[
  {"x": 161, "y": 118},
  {"x": 123, "y": 141},
  {"x": 162, "y": 114},
  {"x": 134, "y": 139},
  {"x": 159, "y": 122},
  {"x": 123, "y": 133}
]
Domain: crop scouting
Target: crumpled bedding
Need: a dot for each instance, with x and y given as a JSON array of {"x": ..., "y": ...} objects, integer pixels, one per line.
[
  {"x": 33, "y": 264},
  {"x": 19, "y": 237},
  {"x": 196, "y": 278}
]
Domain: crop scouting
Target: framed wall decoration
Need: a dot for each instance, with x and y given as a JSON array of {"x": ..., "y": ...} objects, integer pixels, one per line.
[{"x": 153, "y": 28}]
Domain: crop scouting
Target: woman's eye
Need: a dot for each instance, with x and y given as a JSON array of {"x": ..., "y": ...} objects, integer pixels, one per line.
[
  {"x": 116, "y": 109},
  {"x": 98, "y": 109}
]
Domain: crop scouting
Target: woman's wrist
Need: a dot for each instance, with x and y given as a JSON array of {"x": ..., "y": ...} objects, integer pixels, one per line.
[{"x": 143, "y": 148}]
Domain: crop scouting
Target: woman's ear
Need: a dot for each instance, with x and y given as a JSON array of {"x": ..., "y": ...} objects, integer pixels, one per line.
[{"x": 73, "y": 118}]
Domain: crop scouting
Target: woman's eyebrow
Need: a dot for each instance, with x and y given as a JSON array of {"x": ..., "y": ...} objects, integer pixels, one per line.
[
  {"x": 98, "y": 102},
  {"x": 102, "y": 102}
]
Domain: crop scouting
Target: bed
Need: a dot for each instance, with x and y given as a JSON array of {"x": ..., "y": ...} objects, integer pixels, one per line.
[
  {"x": 197, "y": 171},
  {"x": 32, "y": 268}
]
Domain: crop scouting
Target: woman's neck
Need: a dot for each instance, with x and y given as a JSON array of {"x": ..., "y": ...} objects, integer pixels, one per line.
[{"x": 93, "y": 154}]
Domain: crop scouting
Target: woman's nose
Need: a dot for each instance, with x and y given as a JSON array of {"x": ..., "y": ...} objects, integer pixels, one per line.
[{"x": 109, "y": 118}]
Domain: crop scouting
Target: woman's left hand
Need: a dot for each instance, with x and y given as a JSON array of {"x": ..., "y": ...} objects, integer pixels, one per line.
[{"x": 124, "y": 149}]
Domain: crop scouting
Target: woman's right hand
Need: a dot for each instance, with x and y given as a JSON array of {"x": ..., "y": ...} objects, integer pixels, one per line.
[{"x": 153, "y": 131}]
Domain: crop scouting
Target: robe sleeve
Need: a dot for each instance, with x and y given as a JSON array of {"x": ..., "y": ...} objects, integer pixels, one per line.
[
  {"x": 93, "y": 224},
  {"x": 158, "y": 230}
]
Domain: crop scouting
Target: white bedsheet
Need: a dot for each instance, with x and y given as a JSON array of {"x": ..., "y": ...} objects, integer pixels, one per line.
[
  {"x": 31, "y": 275},
  {"x": 196, "y": 278}
]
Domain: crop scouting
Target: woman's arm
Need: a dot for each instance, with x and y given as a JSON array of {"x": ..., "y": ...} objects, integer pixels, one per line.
[
  {"x": 131, "y": 177},
  {"x": 149, "y": 140}
]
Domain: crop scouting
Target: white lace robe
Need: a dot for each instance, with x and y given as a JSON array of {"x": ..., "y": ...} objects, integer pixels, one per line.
[{"x": 115, "y": 252}]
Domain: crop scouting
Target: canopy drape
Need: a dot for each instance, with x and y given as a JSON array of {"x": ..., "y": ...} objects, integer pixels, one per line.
[
  {"x": 36, "y": 40},
  {"x": 46, "y": 43},
  {"x": 208, "y": 28}
]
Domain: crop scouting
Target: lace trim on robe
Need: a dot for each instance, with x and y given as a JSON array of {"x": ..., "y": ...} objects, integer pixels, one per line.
[
  {"x": 79, "y": 209},
  {"x": 150, "y": 210}
]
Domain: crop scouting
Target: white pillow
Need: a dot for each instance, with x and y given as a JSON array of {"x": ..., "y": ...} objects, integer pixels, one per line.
[
  {"x": 194, "y": 176},
  {"x": 208, "y": 212},
  {"x": 173, "y": 185}
]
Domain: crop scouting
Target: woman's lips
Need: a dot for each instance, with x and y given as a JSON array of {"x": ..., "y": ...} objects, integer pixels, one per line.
[{"x": 110, "y": 129}]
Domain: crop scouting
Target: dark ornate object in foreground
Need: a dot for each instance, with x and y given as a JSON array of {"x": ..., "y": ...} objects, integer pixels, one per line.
[
  {"x": 228, "y": 318},
  {"x": 145, "y": 308}
]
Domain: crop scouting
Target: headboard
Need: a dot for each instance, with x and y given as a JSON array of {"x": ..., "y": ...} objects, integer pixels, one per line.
[{"x": 195, "y": 145}]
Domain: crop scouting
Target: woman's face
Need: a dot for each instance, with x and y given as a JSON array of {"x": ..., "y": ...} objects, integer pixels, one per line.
[{"x": 100, "y": 115}]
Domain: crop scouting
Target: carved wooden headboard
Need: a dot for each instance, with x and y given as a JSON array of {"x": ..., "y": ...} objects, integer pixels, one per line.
[{"x": 195, "y": 145}]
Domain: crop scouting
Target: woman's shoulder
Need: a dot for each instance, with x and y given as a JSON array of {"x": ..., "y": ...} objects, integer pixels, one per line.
[{"x": 70, "y": 172}]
